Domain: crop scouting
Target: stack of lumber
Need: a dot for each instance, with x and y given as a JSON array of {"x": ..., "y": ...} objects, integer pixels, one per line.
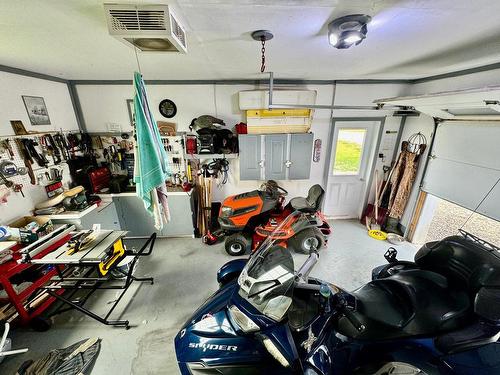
[{"x": 205, "y": 203}]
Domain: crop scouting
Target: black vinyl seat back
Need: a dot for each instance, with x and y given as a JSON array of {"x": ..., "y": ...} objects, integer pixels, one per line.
[
  {"x": 315, "y": 196},
  {"x": 465, "y": 263},
  {"x": 312, "y": 202},
  {"x": 470, "y": 266}
]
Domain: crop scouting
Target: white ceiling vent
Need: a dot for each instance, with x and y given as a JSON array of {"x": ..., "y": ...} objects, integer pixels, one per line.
[{"x": 151, "y": 28}]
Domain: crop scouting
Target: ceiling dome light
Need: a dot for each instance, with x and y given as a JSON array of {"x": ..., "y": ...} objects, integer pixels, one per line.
[
  {"x": 349, "y": 30},
  {"x": 333, "y": 39}
]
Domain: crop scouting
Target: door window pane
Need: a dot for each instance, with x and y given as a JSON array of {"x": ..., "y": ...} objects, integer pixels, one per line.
[{"x": 349, "y": 151}]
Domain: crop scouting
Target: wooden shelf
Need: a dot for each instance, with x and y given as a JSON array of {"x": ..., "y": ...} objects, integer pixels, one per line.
[{"x": 211, "y": 156}]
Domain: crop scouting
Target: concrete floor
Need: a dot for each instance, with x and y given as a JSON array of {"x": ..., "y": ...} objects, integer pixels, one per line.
[{"x": 184, "y": 271}]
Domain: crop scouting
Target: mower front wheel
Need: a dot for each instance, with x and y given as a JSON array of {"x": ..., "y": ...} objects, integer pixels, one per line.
[
  {"x": 305, "y": 240},
  {"x": 237, "y": 244}
]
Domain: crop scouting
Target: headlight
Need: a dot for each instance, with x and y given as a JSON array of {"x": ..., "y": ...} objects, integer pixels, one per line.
[
  {"x": 243, "y": 322},
  {"x": 275, "y": 352},
  {"x": 226, "y": 211}
]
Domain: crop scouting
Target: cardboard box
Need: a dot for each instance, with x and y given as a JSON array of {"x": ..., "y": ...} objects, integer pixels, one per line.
[{"x": 26, "y": 236}]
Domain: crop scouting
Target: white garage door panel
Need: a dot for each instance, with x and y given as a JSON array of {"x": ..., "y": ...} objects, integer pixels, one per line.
[
  {"x": 475, "y": 143},
  {"x": 466, "y": 165},
  {"x": 490, "y": 206}
]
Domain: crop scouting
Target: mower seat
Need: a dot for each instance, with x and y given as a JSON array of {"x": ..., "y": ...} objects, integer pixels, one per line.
[{"x": 310, "y": 204}]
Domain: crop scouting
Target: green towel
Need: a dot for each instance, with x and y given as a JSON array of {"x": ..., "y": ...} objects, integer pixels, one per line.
[{"x": 151, "y": 165}]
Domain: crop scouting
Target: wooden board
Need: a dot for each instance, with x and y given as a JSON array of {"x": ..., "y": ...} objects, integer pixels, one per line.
[
  {"x": 6, "y": 245},
  {"x": 416, "y": 215}
]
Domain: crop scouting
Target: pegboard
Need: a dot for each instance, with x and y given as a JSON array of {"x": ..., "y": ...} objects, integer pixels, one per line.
[
  {"x": 175, "y": 154},
  {"x": 38, "y": 171}
]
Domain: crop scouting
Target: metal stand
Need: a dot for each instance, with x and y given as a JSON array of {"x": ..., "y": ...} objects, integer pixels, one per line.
[{"x": 91, "y": 284}]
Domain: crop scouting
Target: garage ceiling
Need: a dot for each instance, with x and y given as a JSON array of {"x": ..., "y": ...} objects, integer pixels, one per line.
[{"x": 406, "y": 39}]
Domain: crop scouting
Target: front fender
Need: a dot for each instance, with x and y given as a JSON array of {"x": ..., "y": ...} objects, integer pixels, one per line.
[{"x": 230, "y": 271}]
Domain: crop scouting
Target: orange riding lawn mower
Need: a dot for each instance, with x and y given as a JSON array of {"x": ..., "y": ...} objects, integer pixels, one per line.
[{"x": 249, "y": 218}]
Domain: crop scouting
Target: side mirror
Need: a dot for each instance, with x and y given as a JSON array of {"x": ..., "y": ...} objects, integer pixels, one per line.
[{"x": 230, "y": 271}]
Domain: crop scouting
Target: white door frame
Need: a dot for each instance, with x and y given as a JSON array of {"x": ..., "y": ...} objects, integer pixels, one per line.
[{"x": 372, "y": 162}]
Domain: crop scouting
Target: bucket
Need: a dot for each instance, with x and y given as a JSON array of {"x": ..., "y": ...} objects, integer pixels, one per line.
[{"x": 124, "y": 267}]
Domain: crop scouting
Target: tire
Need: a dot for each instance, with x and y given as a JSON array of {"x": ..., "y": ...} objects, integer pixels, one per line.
[
  {"x": 237, "y": 244},
  {"x": 302, "y": 242}
]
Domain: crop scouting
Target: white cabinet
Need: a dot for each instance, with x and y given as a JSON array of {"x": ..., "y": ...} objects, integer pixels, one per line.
[{"x": 275, "y": 156}]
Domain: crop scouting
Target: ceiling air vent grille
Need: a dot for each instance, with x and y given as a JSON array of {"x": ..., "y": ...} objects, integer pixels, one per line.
[
  {"x": 148, "y": 27},
  {"x": 178, "y": 31}
]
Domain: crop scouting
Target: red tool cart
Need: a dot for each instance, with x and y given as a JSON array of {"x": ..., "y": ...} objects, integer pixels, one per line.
[{"x": 30, "y": 302}]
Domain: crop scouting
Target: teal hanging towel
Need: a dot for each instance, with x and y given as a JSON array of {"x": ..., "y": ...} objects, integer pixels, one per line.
[{"x": 151, "y": 168}]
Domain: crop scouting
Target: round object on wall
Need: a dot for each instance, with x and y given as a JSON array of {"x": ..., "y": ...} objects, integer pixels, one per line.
[{"x": 168, "y": 108}]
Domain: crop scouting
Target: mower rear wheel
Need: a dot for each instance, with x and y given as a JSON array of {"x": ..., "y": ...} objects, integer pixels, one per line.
[
  {"x": 307, "y": 239},
  {"x": 237, "y": 244}
]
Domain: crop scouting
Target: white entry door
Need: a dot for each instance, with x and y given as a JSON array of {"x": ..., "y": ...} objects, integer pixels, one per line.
[{"x": 353, "y": 150}]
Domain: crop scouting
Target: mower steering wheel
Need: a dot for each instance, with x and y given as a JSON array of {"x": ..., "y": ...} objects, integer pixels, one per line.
[
  {"x": 283, "y": 191},
  {"x": 272, "y": 189}
]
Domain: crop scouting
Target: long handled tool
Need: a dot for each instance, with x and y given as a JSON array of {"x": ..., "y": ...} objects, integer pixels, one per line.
[{"x": 371, "y": 220}]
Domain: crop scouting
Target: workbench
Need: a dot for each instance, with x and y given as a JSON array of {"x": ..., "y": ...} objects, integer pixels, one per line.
[
  {"x": 132, "y": 215},
  {"x": 104, "y": 214}
]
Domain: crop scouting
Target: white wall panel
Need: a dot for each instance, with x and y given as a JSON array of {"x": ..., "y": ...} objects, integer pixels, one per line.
[
  {"x": 55, "y": 94},
  {"x": 102, "y": 104},
  {"x": 62, "y": 116}
]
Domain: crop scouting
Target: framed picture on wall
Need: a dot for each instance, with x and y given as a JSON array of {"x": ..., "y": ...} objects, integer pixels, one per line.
[
  {"x": 131, "y": 115},
  {"x": 37, "y": 111},
  {"x": 18, "y": 127}
]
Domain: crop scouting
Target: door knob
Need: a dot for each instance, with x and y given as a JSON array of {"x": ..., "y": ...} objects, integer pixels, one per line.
[
  {"x": 288, "y": 163},
  {"x": 261, "y": 163}
]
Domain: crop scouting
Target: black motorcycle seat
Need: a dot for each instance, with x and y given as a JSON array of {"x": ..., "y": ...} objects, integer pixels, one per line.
[
  {"x": 310, "y": 204},
  {"x": 466, "y": 264},
  {"x": 412, "y": 302}
]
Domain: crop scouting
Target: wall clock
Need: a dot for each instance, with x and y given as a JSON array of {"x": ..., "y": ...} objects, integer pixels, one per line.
[{"x": 167, "y": 108}]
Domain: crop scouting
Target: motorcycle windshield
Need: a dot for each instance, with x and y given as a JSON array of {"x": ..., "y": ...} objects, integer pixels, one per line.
[{"x": 268, "y": 278}]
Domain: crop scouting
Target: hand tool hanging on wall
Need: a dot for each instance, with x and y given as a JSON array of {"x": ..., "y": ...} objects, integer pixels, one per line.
[
  {"x": 63, "y": 145},
  {"x": 97, "y": 142},
  {"x": 30, "y": 144},
  {"x": 8, "y": 168},
  {"x": 218, "y": 169},
  {"x": 4, "y": 181},
  {"x": 28, "y": 161},
  {"x": 18, "y": 188},
  {"x": 53, "y": 149},
  {"x": 73, "y": 143},
  {"x": 86, "y": 144},
  {"x": 42, "y": 144},
  {"x": 7, "y": 146}
]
